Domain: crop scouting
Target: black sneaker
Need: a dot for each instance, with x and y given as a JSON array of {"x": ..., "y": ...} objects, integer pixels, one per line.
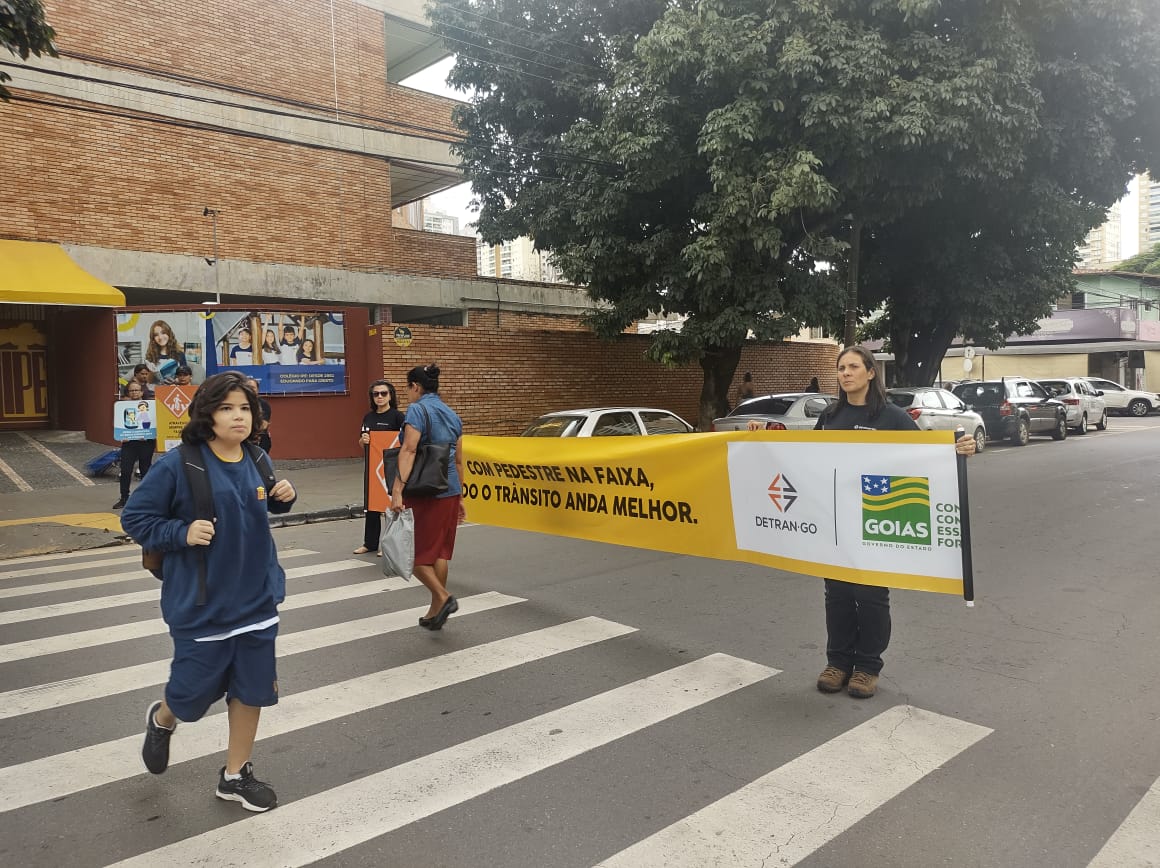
[
  {"x": 155, "y": 751},
  {"x": 120, "y": 503},
  {"x": 251, "y": 792}
]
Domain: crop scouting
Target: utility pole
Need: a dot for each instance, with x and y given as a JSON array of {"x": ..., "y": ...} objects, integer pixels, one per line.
[{"x": 213, "y": 213}]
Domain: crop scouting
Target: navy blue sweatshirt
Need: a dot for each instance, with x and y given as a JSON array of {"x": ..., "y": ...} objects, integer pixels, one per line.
[{"x": 244, "y": 581}]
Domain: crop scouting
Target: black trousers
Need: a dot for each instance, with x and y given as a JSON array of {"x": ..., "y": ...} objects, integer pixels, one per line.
[
  {"x": 857, "y": 625},
  {"x": 372, "y": 528},
  {"x": 139, "y": 452}
]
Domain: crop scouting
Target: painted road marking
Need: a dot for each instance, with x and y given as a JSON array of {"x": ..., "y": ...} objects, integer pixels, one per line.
[
  {"x": 111, "y": 578},
  {"x": 156, "y": 627},
  {"x": 95, "y": 604},
  {"x": 16, "y": 478},
  {"x": 322, "y": 825},
  {"x": 783, "y": 817},
  {"x": 55, "y": 459},
  {"x": 1136, "y": 843},
  {"x": 62, "y": 774},
  {"x": 44, "y": 697}
]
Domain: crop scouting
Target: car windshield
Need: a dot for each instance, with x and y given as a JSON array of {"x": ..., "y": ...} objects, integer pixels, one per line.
[
  {"x": 986, "y": 394},
  {"x": 764, "y": 407},
  {"x": 902, "y": 399},
  {"x": 555, "y": 426},
  {"x": 1055, "y": 388},
  {"x": 662, "y": 423}
]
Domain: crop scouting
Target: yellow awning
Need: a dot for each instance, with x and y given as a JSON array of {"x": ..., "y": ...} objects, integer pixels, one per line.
[{"x": 34, "y": 272}]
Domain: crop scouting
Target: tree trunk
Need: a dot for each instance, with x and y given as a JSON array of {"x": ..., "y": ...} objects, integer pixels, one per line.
[
  {"x": 917, "y": 360},
  {"x": 849, "y": 336},
  {"x": 719, "y": 365}
]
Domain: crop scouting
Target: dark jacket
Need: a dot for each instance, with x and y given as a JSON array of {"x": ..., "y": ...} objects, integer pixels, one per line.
[{"x": 245, "y": 582}]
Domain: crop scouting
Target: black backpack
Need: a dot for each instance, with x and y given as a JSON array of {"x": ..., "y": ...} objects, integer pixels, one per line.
[{"x": 198, "y": 480}]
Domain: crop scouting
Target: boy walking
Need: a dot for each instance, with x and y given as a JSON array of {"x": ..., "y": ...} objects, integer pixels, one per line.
[{"x": 222, "y": 584}]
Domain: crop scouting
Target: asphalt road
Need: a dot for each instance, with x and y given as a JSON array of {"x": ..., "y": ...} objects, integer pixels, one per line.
[{"x": 680, "y": 720}]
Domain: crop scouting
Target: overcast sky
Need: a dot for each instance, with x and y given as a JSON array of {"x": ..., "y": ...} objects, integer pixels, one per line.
[{"x": 455, "y": 201}]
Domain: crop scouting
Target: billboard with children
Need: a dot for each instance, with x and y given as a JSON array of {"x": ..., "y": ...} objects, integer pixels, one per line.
[{"x": 287, "y": 352}]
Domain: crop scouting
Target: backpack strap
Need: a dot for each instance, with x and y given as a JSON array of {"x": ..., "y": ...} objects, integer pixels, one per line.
[
  {"x": 262, "y": 462},
  {"x": 197, "y": 477}
]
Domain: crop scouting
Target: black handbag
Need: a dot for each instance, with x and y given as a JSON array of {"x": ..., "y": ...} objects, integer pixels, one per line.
[{"x": 428, "y": 476}]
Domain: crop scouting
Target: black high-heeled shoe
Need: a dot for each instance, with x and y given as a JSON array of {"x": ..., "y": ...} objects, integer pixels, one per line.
[
  {"x": 449, "y": 609},
  {"x": 425, "y": 623}
]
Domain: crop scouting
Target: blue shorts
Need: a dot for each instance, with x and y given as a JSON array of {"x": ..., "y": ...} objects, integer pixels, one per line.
[{"x": 241, "y": 667}]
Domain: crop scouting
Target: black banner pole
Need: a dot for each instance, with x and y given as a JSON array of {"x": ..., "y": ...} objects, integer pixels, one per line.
[{"x": 965, "y": 526}]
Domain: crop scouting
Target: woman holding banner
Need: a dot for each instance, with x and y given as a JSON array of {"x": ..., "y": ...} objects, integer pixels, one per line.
[
  {"x": 858, "y": 616},
  {"x": 429, "y": 420},
  {"x": 384, "y": 416}
]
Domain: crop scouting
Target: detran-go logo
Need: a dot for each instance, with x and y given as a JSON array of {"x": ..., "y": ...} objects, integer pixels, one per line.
[{"x": 782, "y": 493}]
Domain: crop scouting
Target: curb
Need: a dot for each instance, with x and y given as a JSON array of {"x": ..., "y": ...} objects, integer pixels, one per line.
[{"x": 337, "y": 513}]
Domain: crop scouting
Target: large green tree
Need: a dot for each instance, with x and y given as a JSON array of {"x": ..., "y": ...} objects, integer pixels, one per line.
[
  {"x": 23, "y": 32},
  {"x": 703, "y": 157}
]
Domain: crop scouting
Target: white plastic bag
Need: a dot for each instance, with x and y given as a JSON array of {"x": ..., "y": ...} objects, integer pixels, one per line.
[{"x": 397, "y": 543}]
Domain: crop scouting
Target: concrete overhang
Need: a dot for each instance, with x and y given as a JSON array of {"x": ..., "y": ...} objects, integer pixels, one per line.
[
  {"x": 189, "y": 280},
  {"x": 424, "y": 165},
  {"x": 410, "y": 44}
]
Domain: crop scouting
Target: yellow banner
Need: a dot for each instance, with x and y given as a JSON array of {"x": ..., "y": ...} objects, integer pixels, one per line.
[{"x": 875, "y": 508}]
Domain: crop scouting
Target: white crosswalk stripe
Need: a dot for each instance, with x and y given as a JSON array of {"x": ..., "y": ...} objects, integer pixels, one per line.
[
  {"x": 94, "y": 604},
  {"x": 784, "y": 816},
  {"x": 1136, "y": 844},
  {"x": 319, "y": 826},
  {"x": 13, "y": 567},
  {"x": 780, "y": 817},
  {"x": 42, "y": 697},
  {"x": 112, "y": 578}
]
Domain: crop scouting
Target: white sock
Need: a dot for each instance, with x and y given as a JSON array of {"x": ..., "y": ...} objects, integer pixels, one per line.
[{"x": 230, "y": 777}]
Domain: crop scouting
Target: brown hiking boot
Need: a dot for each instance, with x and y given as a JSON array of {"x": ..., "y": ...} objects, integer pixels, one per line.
[
  {"x": 863, "y": 685},
  {"x": 832, "y": 679}
]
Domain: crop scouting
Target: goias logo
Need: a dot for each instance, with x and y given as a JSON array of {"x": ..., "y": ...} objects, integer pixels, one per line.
[{"x": 896, "y": 509}]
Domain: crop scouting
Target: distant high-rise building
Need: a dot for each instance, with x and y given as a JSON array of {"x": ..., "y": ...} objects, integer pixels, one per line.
[
  {"x": 518, "y": 260},
  {"x": 1102, "y": 245},
  {"x": 440, "y": 221},
  {"x": 1148, "y": 222}
]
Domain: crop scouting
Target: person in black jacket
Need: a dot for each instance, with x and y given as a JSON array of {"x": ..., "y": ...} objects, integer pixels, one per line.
[
  {"x": 858, "y": 616},
  {"x": 384, "y": 416},
  {"x": 261, "y": 434}
]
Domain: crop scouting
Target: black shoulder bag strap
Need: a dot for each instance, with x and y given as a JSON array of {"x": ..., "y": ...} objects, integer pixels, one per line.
[
  {"x": 197, "y": 477},
  {"x": 262, "y": 462}
]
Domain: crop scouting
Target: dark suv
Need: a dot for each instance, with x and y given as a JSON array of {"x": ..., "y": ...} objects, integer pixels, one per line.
[{"x": 1014, "y": 408}]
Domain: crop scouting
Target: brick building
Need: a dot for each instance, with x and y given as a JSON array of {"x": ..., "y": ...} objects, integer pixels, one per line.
[{"x": 252, "y": 154}]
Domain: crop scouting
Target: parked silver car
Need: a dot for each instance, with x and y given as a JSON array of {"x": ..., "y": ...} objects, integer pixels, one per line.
[
  {"x": 793, "y": 411},
  {"x": 608, "y": 422},
  {"x": 1122, "y": 400},
  {"x": 1085, "y": 403},
  {"x": 934, "y": 409}
]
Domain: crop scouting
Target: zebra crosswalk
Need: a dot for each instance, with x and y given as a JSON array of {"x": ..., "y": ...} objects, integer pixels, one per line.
[{"x": 66, "y": 767}]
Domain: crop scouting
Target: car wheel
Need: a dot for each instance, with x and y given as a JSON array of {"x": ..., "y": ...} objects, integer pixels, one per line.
[
  {"x": 1060, "y": 432},
  {"x": 1022, "y": 434},
  {"x": 1139, "y": 407},
  {"x": 1083, "y": 423},
  {"x": 980, "y": 440},
  {"x": 1102, "y": 425}
]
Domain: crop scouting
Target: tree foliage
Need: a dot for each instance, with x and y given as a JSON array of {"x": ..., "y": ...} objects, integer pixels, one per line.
[
  {"x": 23, "y": 32},
  {"x": 1144, "y": 262},
  {"x": 703, "y": 158}
]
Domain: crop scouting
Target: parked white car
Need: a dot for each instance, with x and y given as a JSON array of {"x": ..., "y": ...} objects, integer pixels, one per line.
[
  {"x": 608, "y": 422},
  {"x": 1085, "y": 403},
  {"x": 1130, "y": 401},
  {"x": 794, "y": 411},
  {"x": 934, "y": 409}
]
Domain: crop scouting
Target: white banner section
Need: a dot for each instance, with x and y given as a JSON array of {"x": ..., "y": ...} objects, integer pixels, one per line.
[{"x": 866, "y": 507}]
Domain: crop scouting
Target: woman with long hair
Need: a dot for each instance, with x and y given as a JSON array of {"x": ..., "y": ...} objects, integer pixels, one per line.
[
  {"x": 271, "y": 354},
  {"x": 858, "y": 616},
  {"x": 165, "y": 354},
  {"x": 429, "y": 420},
  {"x": 306, "y": 355},
  {"x": 384, "y": 415}
]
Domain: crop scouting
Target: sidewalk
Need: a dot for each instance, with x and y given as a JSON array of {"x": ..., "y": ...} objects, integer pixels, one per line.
[{"x": 76, "y": 518}]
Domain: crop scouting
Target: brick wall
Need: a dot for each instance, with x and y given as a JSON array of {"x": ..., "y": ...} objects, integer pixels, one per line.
[
  {"x": 500, "y": 379},
  {"x": 86, "y": 176}
]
